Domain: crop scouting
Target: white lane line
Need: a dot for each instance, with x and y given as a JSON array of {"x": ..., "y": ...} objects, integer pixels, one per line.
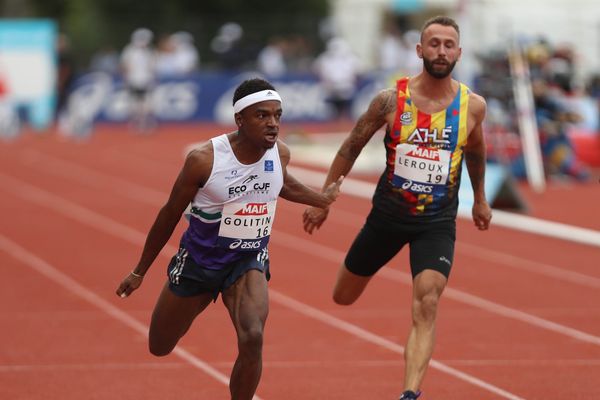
[
  {"x": 504, "y": 311},
  {"x": 100, "y": 222},
  {"x": 87, "y": 176},
  {"x": 498, "y": 257},
  {"x": 367, "y": 336},
  {"x": 528, "y": 265},
  {"x": 26, "y": 257},
  {"x": 90, "y": 367},
  {"x": 501, "y": 218},
  {"x": 337, "y": 257},
  {"x": 143, "y": 194},
  {"x": 537, "y": 363}
]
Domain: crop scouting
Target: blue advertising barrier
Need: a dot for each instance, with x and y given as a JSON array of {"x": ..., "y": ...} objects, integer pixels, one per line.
[{"x": 99, "y": 97}]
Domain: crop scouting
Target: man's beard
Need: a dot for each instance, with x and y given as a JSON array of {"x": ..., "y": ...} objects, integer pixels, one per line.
[{"x": 438, "y": 74}]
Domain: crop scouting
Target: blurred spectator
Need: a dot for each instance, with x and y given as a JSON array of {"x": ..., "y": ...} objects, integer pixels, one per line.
[
  {"x": 594, "y": 86},
  {"x": 176, "y": 55},
  {"x": 105, "y": 60},
  {"x": 554, "y": 65},
  {"x": 186, "y": 55},
  {"x": 299, "y": 54},
  {"x": 538, "y": 54},
  {"x": 227, "y": 46},
  {"x": 560, "y": 69},
  {"x": 271, "y": 59},
  {"x": 327, "y": 28},
  {"x": 412, "y": 64},
  {"x": 338, "y": 69},
  {"x": 391, "y": 49},
  {"x": 503, "y": 143},
  {"x": 594, "y": 92},
  {"x": 564, "y": 113},
  {"x": 553, "y": 120},
  {"x": 66, "y": 71},
  {"x": 165, "y": 62},
  {"x": 138, "y": 67},
  {"x": 397, "y": 54}
]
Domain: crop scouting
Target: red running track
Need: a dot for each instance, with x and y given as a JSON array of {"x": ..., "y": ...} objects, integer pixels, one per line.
[{"x": 519, "y": 320}]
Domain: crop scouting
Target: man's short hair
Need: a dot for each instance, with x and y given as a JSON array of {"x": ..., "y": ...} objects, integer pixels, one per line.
[
  {"x": 250, "y": 86},
  {"x": 440, "y": 20}
]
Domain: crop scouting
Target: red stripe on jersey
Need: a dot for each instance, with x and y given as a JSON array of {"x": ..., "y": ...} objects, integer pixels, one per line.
[
  {"x": 401, "y": 86},
  {"x": 423, "y": 120},
  {"x": 393, "y": 138}
]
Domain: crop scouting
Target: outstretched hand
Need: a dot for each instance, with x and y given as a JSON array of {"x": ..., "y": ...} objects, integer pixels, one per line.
[
  {"x": 129, "y": 284},
  {"x": 314, "y": 217},
  {"x": 482, "y": 215},
  {"x": 333, "y": 190}
]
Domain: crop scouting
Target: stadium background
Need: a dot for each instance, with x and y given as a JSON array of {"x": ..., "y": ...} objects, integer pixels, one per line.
[{"x": 521, "y": 318}]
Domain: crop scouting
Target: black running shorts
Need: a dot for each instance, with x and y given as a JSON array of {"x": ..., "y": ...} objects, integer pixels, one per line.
[
  {"x": 431, "y": 245},
  {"x": 187, "y": 278}
]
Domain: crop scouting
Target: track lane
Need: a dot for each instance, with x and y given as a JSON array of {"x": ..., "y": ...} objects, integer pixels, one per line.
[{"x": 320, "y": 238}]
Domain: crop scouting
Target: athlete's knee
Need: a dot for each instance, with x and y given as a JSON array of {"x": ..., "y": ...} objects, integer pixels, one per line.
[
  {"x": 344, "y": 298},
  {"x": 348, "y": 287},
  {"x": 158, "y": 345},
  {"x": 425, "y": 308},
  {"x": 250, "y": 340},
  {"x": 160, "y": 349}
]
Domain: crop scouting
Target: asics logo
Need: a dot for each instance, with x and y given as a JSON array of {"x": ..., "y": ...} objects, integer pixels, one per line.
[
  {"x": 249, "y": 245},
  {"x": 236, "y": 244},
  {"x": 417, "y": 187}
]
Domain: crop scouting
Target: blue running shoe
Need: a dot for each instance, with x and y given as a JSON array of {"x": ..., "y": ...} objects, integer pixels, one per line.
[{"x": 410, "y": 395}]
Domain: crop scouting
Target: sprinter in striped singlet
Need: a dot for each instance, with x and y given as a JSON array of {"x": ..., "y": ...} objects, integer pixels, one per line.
[{"x": 432, "y": 122}]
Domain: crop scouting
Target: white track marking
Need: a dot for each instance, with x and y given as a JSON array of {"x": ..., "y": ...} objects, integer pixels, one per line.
[
  {"x": 26, "y": 257},
  {"x": 105, "y": 224},
  {"x": 501, "y": 218},
  {"x": 585, "y": 363},
  {"x": 139, "y": 193},
  {"x": 297, "y": 243},
  {"x": 337, "y": 257},
  {"x": 367, "y": 336}
]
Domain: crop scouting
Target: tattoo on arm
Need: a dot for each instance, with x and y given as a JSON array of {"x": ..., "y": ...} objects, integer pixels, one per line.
[
  {"x": 368, "y": 123},
  {"x": 358, "y": 138}
]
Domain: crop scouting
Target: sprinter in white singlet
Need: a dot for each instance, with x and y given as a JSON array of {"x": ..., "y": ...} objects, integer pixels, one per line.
[{"x": 232, "y": 182}]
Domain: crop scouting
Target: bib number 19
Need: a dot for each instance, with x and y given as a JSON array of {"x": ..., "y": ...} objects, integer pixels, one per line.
[{"x": 434, "y": 178}]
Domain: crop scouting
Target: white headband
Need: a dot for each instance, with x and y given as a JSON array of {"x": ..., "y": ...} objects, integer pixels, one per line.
[{"x": 254, "y": 98}]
